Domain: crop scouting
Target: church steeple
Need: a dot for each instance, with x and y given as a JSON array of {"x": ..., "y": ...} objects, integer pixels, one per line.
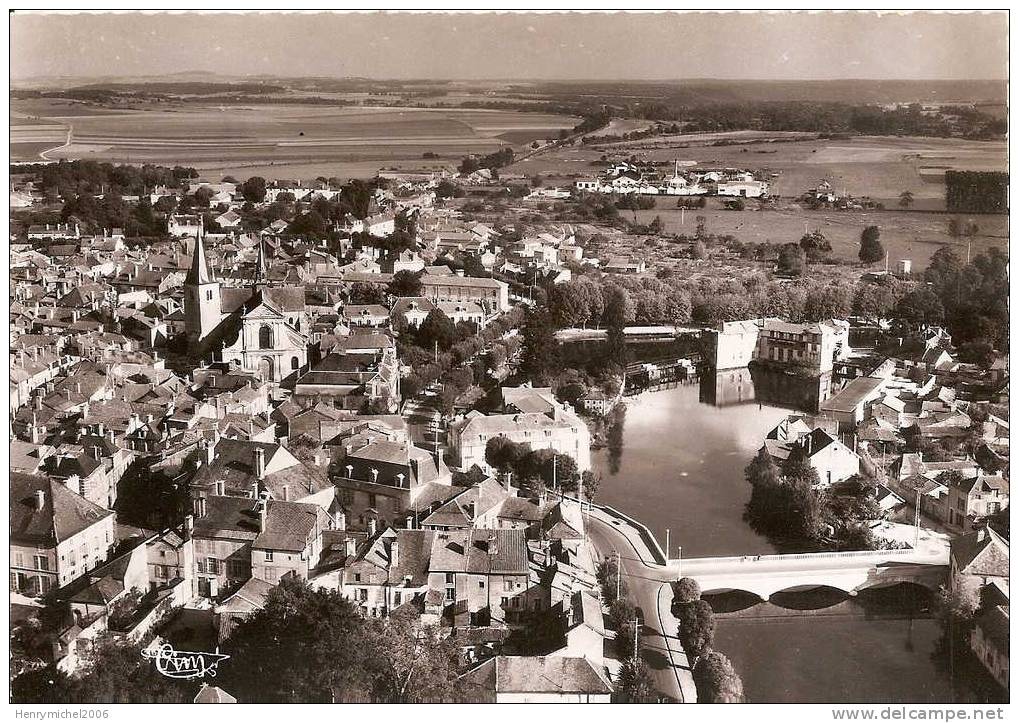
[
  {"x": 200, "y": 271},
  {"x": 261, "y": 268},
  {"x": 203, "y": 307}
]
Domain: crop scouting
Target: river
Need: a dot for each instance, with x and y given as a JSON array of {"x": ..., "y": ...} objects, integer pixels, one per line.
[{"x": 679, "y": 466}]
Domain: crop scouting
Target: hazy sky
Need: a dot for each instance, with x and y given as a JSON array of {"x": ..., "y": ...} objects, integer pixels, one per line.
[{"x": 508, "y": 45}]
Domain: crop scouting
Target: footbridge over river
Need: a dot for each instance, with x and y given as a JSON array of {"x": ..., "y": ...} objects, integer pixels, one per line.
[{"x": 850, "y": 572}]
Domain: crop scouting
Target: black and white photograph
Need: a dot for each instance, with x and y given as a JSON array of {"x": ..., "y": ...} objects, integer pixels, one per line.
[{"x": 509, "y": 356}]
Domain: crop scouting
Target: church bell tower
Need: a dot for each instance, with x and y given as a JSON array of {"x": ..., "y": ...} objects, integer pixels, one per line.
[{"x": 202, "y": 304}]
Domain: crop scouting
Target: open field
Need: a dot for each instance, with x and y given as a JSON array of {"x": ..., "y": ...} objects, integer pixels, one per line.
[
  {"x": 913, "y": 235},
  {"x": 876, "y": 166},
  {"x": 238, "y": 136}
]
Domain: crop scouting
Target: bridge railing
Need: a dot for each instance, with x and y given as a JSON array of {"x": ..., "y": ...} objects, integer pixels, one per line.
[{"x": 850, "y": 554}]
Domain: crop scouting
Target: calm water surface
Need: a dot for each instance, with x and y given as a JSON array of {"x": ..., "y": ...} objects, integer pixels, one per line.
[{"x": 680, "y": 466}]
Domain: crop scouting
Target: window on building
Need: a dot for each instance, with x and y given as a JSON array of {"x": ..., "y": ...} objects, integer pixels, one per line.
[
  {"x": 268, "y": 555},
  {"x": 357, "y": 577},
  {"x": 507, "y": 585},
  {"x": 504, "y": 601},
  {"x": 265, "y": 337},
  {"x": 450, "y": 594},
  {"x": 208, "y": 295},
  {"x": 371, "y": 500},
  {"x": 397, "y": 599},
  {"x": 42, "y": 562},
  {"x": 295, "y": 363},
  {"x": 481, "y": 584},
  {"x": 449, "y": 578}
]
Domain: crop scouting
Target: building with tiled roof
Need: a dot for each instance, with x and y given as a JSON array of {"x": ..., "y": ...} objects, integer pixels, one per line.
[
  {"x": 559, "y": 430},
  {"x": 980, "y": 557},
  {"x": 482, "y": 576},
  {"x": 55, "y": 535},
  {"x": 537, "y": 679}
]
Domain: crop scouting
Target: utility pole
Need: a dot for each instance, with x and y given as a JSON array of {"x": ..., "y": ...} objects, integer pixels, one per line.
[
  {"x": 554, "y": 484},
  {"x": 666, "y": 545},
  {"x": 619, "y": 574},
  {"x": 636, "y": 629},
  {"x": 916, "y": 518},
  {"x": 436, "y": 350}
]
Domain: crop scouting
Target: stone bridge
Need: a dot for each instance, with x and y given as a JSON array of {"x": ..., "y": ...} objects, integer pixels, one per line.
[{"x": 850, "y": 572}]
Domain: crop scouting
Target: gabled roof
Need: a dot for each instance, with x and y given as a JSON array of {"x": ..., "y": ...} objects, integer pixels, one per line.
[
  {"x": 982, "y": 552},
  {"x": 539, "y": 674},
  {"x": 63, "y": 514},
  {"x": 287, "y": 526}
]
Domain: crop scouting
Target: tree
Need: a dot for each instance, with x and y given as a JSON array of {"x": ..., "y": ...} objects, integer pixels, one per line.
[
  {"x": 320, "y": 649},
  {"x": 203, "y": 196},
  {"x": 437, "y": 328},
  {"x": 906, "y": 199},
  {"x": 698, "y": 250},
  {"x": 792, "y": 260},
  {"x": 253, "y": 189},
  {"x": 921, "y": 307},
  {"x": 607, "y": 575},
  {"x": 635, "y": 684},
  {"x": 504, "y": 454},
  {"x": 412, "y": 662},
  {"x": 686, "y": 590},
  {"x": 308, "y": 224},
  {"x": 815, "y": 245},
  {"x": 871, "y": 249},
  {"x": 540, "y": 347},
  {"x": 716, "y": 680},
  {"x": 980, "y": 353},
  {"x": 696, "y": 627},
  {"x": 405, "y": 283}
]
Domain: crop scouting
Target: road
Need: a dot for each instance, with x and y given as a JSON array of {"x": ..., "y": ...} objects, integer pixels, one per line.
[{"x": 649, "y": 590}]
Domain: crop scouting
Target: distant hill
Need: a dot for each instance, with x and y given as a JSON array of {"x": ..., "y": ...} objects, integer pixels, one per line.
[{"x": 853, "y": 92}]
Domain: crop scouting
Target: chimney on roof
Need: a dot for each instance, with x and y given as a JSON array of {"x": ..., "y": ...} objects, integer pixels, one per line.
[
  {"x": 399, "y": 479},
  {"x": 189, "y": 526},
  {"x": 373, "y": 527},
  {"x": 350, "y": 471},
  {"x": 38, "y": 402},
  {"x": 350, "y": 546},
  {"x": 254, "y": 489},
  {"x": 259, "y": 463},
  {"x": 394, "y": 552},
  {"x": 286, "y": 493},
  {"x": 375, "y": 475},
  {"x": 263, "y": 513},
  {"x": 210, "y": 452},
  {"x": 40, "y": 500}
]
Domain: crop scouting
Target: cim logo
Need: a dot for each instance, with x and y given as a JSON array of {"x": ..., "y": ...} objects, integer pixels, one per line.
[{"x": 184, "y": 664}]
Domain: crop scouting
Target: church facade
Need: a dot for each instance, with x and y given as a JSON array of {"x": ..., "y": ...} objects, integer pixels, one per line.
[{"x": 261, "y": 328}]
